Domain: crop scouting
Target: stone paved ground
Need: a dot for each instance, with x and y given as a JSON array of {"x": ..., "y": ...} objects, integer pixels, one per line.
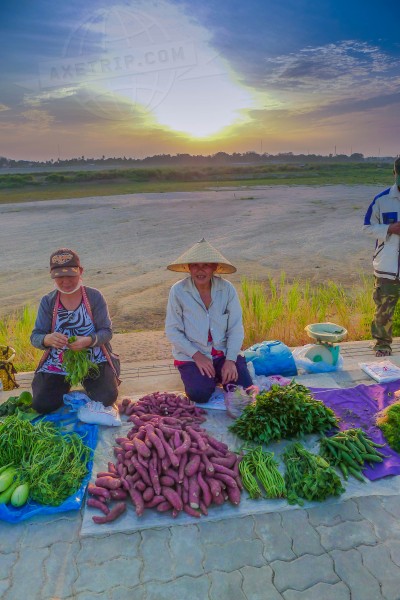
[{"x": 349, "y": 550}]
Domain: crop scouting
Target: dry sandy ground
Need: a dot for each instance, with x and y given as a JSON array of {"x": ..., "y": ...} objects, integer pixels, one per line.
[{"x": 125, "y": 243}]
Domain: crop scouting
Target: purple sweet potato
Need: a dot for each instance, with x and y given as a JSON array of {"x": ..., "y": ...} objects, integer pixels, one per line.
[
  {"x": 94, "y": 503},
  {"x": 114, "y": 513},
  {"x": 173, "y": 497},
  {"x": 110, "y": 483},
  {"x": 137, "y": 500},
  {"x": 95, "y": 490}
]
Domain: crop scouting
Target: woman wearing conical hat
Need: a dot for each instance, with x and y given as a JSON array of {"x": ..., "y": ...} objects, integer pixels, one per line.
[{"x": 204, "y": 323}]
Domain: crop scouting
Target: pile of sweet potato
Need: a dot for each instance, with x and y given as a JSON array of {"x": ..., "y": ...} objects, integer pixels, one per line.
[
  {"x": 168, "y": 464},
  {"x": 163, "y": 403}
]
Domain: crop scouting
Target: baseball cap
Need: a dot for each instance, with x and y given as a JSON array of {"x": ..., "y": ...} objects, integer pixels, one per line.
[{"x": 64, "y": 263}]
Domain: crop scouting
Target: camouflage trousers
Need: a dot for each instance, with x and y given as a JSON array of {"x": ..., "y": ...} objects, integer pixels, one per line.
[{"x": 386, "y": 295}]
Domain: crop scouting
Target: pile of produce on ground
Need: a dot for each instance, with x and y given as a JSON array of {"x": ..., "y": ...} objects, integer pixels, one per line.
[
  {"x": 309, "y": 476},
  {"x": 168, "y": 464},
  {"x": 259, "y": 467},
  {"x": 78, "y": 365},
  {"x": 51, "y": 464},
  {"x": 388, "y": 420},
  {"x": 350, "y": 450},
  {"x": 163, "y": 403},
  {"x": 20, "y": 405},
  {"x": 283, "y": 412}
]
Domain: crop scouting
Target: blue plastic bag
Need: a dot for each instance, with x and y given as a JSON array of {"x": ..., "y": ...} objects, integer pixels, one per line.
[
  {"x": 62, "y": 417},
  {"x": 271, "y": 358}
]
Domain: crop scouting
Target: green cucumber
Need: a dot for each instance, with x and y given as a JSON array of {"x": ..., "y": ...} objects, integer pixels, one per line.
[
  {"x": 6, "y": 478},
  {"x": 20, "y": 495},
  {"x": 6, "y": 495}
]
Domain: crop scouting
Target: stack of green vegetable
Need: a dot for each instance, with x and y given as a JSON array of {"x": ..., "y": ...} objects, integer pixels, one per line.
[
  {"x": 389, "y": 423},
  {"x": 20, "y": 405},
  {"x": 309, "y": 476},
  {"x": 258, "y": 466},
  {"x": 349, "y": 450},
  {"x": 52, "y": 464},
  {"x": 283, "y": 412},
  {"x": 78, "y": 364}
]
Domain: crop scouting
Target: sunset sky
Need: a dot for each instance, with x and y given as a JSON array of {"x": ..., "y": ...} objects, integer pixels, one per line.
[{"x": 139, "y": 78}]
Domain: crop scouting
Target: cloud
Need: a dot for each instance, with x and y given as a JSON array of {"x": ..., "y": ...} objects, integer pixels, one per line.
[{"x": 330, "y": 67}]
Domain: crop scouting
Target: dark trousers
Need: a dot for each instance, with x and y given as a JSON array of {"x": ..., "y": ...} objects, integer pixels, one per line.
[
  {"x": 200, "y": 387},
  {"x": 48, "y": 389},
  {"x": 386, "y": 295}
]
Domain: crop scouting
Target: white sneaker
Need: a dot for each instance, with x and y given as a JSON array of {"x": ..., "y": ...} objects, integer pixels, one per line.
[{"x": 98, "y": 414}]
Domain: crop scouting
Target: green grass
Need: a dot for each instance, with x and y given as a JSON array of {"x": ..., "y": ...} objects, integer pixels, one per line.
[
  {"x": 280, "y": 310},
  {"x": 78, "y": 184},
  {"x": 15, "y": 331},
  {"x": 272, "y": 310}
]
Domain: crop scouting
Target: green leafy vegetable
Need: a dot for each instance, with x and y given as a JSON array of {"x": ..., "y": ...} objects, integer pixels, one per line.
[
  {"x": 78, "y": 364},
  {"x": 283, "y": 412}
]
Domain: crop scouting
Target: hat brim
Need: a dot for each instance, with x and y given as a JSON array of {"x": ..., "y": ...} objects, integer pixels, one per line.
[
  {"x": 64, "y": 272},
  {"x": 222, "y": 269}
]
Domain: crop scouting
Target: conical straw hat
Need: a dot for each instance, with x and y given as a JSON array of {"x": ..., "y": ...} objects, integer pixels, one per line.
[{"x": 202, "y": 252}]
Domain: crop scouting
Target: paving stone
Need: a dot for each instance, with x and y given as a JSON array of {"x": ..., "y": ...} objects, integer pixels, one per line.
[
  {"x": 321, "y": 591},
  {"x": 392, "y": 505},
  {"x": 304, "y": 572},
  {"x": 60, "y": 570},
  {"x": 227, "y": 530},
  {"x": 87, "y": 596},
  {"x": 6, "y": 564},
  {"x": 27, "y": 575},
  {"x": 195, "y": 588},
  {"x": 347, "y": 535},
  {"x": 355, "y": 575},
  {"x": 305, "y": 538},
  {"x": 40, "y": 534},
  {"x": 226, "y": 586},
  {"x": 257, "y": 583},
  {"x": 384, "y": 523},
  {"x": 394, "y": 550},
  {"x": 155, "y": 543},
  {"x": 4, "y": 585},
  {"x": 102, "y": 577},
  {"x": 104, "y": 548},
  {"x": 333, "y": 514},
  {"x": 11, "y": 536},
  {"x": 378, "y": 561},
  {"x": 123, "y": 593},
  {"x": 187, "y": 551},
  {"x": 277, "y": 544},
  {"x": 234, "y": 555}
]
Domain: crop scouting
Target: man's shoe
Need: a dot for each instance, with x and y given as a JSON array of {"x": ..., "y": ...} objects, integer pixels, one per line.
[{"x": 98, "y": 414}]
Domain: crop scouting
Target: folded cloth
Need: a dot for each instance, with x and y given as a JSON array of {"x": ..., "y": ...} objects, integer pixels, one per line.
[{"x": 98, "y": 414}]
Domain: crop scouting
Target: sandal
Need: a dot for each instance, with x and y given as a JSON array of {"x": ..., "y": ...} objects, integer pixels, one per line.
[{"x": 384, "y": 352}]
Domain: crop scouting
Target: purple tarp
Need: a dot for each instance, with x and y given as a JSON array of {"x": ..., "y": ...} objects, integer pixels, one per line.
[{"x": 357, "y": 407}]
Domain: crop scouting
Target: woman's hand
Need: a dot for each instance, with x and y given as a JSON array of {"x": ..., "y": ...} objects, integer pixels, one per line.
[
  {"x": 55, "y": 340},
  {"x": 204, "y": 364},
  {"x": 81, "y": 342},
  {"x": 229, "y": 372}
]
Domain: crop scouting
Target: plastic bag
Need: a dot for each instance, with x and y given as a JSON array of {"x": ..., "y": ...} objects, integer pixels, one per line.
[
  {"x": 302, "y": 362},
  {"x": 271, "y": 358},
  {"x": 236, "y": 398}
]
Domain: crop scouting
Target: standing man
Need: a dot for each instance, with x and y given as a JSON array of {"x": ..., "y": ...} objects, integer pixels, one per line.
[{"x": 382, "y": 221}]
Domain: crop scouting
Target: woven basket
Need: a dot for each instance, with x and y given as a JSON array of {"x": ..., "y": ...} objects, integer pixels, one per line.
[{"x": 7, "y": 369}]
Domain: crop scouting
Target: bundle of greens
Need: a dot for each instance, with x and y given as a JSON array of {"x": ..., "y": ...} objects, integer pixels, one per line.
[
  {"x": 21, "y": 405},
  {"x": 283, "y": 412},
  {"x": 259, "y": 466},
  {"x": 78, "y": 364},
  {"x": 53, "y": 464},
  {"x": 388, "y": 421},
  {"x": 309, "y": 476}
]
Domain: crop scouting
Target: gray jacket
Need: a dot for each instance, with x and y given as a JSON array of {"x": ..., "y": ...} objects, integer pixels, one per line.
[
  {"x": 188, "y": 321},
  {"x": 101, "y": 317}
]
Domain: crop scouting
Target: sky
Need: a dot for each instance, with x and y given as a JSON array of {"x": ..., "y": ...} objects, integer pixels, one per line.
[{"x": 140, "y": 78}]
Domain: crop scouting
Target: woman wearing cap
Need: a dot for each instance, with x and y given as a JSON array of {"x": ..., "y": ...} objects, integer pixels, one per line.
[
  {"x": 204, "y": 323},
  {"x": 72, "y": 310}
]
